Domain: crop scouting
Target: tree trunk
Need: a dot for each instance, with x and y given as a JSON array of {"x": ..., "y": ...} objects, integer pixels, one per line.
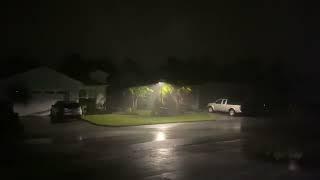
[
  {"x": 133, "y": 103},
  {"x": 197, "y": 98},
  {"x": 176, "y": 100},
  {"x": 136, "y": 103}
]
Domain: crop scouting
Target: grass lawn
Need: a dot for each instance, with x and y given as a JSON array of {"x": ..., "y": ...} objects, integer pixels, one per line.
[{"x": 134, "y": 120}]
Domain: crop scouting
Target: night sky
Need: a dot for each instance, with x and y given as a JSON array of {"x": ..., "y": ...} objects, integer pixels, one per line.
[{"x": 150, "y": 31}]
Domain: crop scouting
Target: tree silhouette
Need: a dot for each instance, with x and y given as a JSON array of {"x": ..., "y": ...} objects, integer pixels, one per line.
[
  {"x": 17, "y": 64},
  {"x": 77, "y": 67}
]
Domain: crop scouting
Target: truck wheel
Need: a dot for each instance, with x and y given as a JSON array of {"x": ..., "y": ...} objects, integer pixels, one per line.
[
  {"x": 232, "y": 112},
  {"x": 210, "y": 110}
]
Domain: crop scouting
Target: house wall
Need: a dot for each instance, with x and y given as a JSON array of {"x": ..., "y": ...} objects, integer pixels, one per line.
[
  {"x": 34, "y": 92},
  {"x": 40, "y": 101}
]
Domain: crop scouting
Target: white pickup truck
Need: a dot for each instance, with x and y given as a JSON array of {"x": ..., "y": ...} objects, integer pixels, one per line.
[{"x": 225, "y": 105}]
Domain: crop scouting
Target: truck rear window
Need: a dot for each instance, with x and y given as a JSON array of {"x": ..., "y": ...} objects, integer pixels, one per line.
[{"x": 232, "y": 101}]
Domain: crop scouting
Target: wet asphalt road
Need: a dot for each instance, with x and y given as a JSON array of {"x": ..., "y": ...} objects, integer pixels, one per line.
[{"x": 202, "y": 150}]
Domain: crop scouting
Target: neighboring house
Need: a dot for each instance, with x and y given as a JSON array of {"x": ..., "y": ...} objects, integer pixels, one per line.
[{"x": 33, "y": 92}]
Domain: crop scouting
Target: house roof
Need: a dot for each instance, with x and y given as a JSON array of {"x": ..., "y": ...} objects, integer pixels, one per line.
[
  {"x": 96, "y": 77},
  {"x": 43, "y": 77}
]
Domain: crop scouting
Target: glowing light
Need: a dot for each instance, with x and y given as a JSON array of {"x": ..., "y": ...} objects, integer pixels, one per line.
[
  {"x": 160, "y": 136},
  {"x": 160, "y": 83}
]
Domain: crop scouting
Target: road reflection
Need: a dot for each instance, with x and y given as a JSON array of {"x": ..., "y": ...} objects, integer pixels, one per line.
[
  {"x": 162, "y": 158},
  {"x": 160, "y": 136}
]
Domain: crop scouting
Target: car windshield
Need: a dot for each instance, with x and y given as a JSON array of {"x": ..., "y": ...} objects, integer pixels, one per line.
[
  {"x": 218, "y": 101},
  {"x": 71, "y": 105}
]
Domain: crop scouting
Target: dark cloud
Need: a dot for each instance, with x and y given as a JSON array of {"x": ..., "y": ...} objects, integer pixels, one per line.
[{"x": 151, "y": 31}]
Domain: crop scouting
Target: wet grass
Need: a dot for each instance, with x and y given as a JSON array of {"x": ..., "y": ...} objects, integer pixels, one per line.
[{"x": 135, "y": 120}]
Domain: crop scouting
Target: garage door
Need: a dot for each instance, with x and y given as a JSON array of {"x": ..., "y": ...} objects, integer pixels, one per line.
[{"x": 39, "y": 103}]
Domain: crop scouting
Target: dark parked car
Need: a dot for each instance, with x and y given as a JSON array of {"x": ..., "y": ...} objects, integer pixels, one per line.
[
  {"x": 11, "y": 129},
  {"x": 255, "y": 108},
  {"x": 63, "y": 110},
  {"x": 270, "y": 107}
]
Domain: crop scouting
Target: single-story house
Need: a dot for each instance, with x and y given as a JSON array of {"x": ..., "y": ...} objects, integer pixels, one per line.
[{"x": 33, "y": 92}]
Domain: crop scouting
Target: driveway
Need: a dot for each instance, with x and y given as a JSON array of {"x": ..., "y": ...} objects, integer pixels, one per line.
[{"x": 201, "y": 150}]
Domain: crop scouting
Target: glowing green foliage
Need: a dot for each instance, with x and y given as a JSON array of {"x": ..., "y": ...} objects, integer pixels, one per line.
[
  {"x": 167, "y": 89},
  {"x": 140, "y": 91},
  {"x": 137, "y": 93},
  {"x": 184, "y": 90}
]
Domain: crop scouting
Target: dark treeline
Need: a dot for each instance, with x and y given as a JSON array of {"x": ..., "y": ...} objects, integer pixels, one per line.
[
  {"x": 194, "y": 70},
  {"x": 246, "y": 70},
  {"x": 17, "y": 64},
  {"x": 78, "y": 67}
]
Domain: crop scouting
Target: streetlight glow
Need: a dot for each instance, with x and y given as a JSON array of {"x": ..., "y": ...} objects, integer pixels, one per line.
[{"x": 160, "y": 136}]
